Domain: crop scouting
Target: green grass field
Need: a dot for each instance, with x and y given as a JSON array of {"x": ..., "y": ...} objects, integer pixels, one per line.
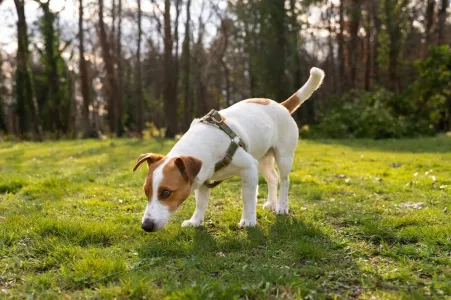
[{"x": 368, "y": 219}]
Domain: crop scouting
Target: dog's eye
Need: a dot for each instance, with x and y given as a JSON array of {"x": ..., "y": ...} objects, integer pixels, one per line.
[{"x": 165, "y": 194}]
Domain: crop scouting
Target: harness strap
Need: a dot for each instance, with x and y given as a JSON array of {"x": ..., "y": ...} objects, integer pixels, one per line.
[{"x": 214, "y": 118}]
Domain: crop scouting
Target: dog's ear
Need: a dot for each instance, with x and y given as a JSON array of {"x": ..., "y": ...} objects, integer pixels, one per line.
[
  {"x": 189, "y": 166},
  {"x": 150, "y": 158}
]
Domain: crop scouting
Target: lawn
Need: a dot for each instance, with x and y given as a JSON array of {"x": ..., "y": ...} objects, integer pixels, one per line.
[{"x": 368, "y": 219}]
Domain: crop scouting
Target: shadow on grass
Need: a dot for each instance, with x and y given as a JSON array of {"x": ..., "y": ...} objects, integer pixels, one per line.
[
  {"x": 418, "y": 145},
  {"x": 287, "y": 258}
]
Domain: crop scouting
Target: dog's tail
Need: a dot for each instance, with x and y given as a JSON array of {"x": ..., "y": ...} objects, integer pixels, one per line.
[{"x": 312, "y": 84}]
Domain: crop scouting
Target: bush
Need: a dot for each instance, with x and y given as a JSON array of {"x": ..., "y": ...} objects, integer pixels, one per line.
[
  {"x": 432, "y": 90},
  {"x": 368, "y": 115}
]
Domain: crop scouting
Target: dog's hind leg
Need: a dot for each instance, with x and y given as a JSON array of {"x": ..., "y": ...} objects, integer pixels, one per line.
[
  {"x": 284, "y": 162},
  {"x": 202, "y": 194},
  {"x": 266, "y": 168}
]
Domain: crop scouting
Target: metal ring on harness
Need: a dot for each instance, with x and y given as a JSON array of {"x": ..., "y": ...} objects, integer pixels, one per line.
[{"x": 215, "y": 119}]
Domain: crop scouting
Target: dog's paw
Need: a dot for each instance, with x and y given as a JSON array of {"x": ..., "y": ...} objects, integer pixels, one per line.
[
  {"x": 282, "y": 210},
  {"x": 247, "y": 223},
  {"x": 269, "y": 206},
  {"x": 191, "y": 223}
]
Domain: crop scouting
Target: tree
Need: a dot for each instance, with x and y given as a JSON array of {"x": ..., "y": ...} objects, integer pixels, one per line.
[
  {"x": 341, "y": 49},
  {"x": 88, "y": 130},
  {"x": 186, "y": 61},
  {"x": 274, "y": 33},
  {"x": 432, "y": 89},
  {"x": 442, "y": 21},
  {"x": 429, "y": 22},
  {"x": 225, "y": 27},
  {"x": 170, "y": 100},
  {"x": 353, "y": 43},
  {"x": 138, "y": 80},
  {"x": 295, "y": 45},
  {"x": 119, "y": 110},
  {"x": 112, "y": 89},
  {"x": 393, "y": 15},
  {"x": 3, "y": 93},
  {"x": 26, "y": 106},
  {"x": 176, "y": 57},
  {"x": 56, "y": 103}
]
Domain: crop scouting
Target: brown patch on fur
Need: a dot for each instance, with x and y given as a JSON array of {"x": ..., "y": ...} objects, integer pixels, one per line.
[
  {"x": 150, "y": 158},
  {"x": 178, "y": 176},
  {"x": 292, "y": 103},
  {"x": 262, "y": 101}
]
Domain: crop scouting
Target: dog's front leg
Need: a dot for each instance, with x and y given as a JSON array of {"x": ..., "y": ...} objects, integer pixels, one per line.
[
  {"x": 249, "y": 184},
  {"x": 202, "y": 194}
]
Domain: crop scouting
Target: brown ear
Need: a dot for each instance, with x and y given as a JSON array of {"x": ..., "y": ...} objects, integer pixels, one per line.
[
  {"x": 189, "y": 166},
  {"x": 149, "y": 157}
]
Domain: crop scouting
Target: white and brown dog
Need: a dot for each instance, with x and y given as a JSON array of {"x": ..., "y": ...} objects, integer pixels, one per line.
[{"x": 270, "y": 135}]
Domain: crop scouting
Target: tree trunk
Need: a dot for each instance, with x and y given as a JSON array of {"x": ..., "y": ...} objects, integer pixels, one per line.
[
  {"x": 429, "y": 22},
  {"x": 249, "y": 49},
  {"x": 278, "y": 19},
  {"x": 188, "y": 111},
  {"x": 353, "y": 45},
  {"x": 110, "y": 74},
  {"x": 294, "y": 36},
  {"x": 26, "y": 99},
  {"x": 53, "y": 94},
  {"x": 368, "y": 56},
  {"x": 170, "y": 102},
  {"x": 374, "y": 51},
  {"x": 113, "y": 22},
  {"x": 341, "y": 46},
  {"x": 442, "y": 22},
  {"x": 176, "y": 59},
  {"x": 139, "y": 94},
  {"x": 120, "y": 85},
  {"x": 330, "y": 44},
  {"x": 3, "y": 92},
  {"x": 84, "y": 81},
  {"x": 393, "y": 53},
  {"x": 225, "y": 35}
]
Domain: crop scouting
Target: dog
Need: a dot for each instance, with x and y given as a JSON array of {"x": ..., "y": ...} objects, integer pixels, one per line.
[{"x": 270, "y": 135}]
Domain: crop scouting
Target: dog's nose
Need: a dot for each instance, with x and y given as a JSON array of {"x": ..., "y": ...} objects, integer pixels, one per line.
[{"x": 148, "y": 225}]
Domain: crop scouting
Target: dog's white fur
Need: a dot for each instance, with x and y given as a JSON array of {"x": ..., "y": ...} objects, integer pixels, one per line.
[
  {"x": 155, "y": 210},
  {"x": 270, "y": 135}
]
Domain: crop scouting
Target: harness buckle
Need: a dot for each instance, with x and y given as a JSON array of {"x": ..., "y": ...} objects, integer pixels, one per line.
[{"x": 213, "y": 118}]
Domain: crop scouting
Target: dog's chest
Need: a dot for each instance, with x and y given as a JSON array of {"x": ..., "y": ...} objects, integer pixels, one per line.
[{"x": 229, "y": 171}]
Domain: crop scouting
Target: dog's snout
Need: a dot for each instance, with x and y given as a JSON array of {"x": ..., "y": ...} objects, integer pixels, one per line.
[{"x": 148, "y": 225}]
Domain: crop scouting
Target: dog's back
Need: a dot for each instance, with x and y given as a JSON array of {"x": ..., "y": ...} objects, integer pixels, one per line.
[{"x": 263, "y": 123}]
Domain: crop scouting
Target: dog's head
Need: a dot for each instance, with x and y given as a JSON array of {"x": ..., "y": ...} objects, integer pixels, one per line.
[{"x": 168, "y": 183}]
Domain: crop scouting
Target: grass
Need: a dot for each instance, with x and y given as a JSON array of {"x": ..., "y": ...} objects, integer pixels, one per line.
[{"x": 368, "y": 219}]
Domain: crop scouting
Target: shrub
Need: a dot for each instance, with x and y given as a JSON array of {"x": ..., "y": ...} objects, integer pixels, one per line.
[
  {"x": 432, "y": 90},
  {"x": 369, "y": 115}
]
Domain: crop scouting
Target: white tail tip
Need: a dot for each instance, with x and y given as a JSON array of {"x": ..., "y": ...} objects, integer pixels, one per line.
[
  {"x": 317, "y": 73},
  {"x": 312, "y": 84}
]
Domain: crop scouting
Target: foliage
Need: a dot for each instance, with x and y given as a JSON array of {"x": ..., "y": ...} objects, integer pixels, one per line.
[
  {"x": 54, "y": 82},
  {"x": 392, "y": 36},
  {"x": 260, "y": 48},
  {"x": 432, "y": 89},
  {"x": 369, "y": 115},
  {"x": 368, "y": 219}
]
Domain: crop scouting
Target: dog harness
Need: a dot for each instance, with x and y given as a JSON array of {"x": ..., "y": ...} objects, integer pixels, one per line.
[{"x": 215, "y": 119}]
